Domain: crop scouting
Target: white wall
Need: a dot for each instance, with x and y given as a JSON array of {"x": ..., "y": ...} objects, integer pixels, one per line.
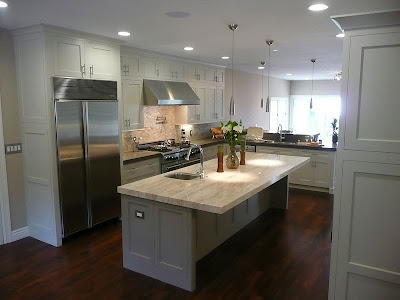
[
  {"x": 321, "y": 87},
  {"x": 8, "y": 88},
  {"x": 247, "y": 93}
]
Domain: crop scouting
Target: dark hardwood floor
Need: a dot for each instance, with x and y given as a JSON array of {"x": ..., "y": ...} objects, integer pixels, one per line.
[{"x": 280, "y": 255}]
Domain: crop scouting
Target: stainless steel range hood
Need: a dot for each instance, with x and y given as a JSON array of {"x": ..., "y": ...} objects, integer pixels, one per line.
[{"x": 158, "y": 92}]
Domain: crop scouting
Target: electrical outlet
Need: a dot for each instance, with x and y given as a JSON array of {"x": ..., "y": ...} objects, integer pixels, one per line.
[{"x": 13, "y": 148}]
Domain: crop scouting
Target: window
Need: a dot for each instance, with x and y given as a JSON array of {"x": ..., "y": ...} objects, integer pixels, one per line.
[
  {"x": 316, "y": 120},
  {"x": 278, "y": 113}
]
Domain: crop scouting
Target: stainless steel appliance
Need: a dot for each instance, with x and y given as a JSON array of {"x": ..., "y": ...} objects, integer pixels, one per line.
[
  {"x": 86, "y": 116},
  {"x": 173, "y": 155},
  {"x": 157, "y": 92}
]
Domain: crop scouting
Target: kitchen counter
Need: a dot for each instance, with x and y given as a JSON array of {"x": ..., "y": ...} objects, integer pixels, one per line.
[
  {"x": 139, "y": 155},
  {"x": 169, "y": 224},
  {"x": 331, "y": 147},
  {"x": 217, "y": 192}
]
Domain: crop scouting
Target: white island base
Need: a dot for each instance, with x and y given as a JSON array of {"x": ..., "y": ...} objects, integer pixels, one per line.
[{"x": 164, "y": 241}]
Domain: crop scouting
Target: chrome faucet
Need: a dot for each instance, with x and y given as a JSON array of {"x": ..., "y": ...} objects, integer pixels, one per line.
[
  {"x": 200, "y": 171},
  {"x": 281, "y": 135}
]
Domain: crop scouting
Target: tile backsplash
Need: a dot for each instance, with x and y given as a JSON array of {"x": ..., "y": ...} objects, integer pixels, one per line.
[
  {"x": 154, "y": 128},
  {"x": 199, "y": 131}
]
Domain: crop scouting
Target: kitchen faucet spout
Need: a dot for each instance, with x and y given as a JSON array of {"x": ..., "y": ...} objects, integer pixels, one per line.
[{"x": 200, "y": 171}]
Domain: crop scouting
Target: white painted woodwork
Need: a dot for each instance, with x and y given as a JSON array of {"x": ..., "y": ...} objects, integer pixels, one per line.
[
  {"x": 178, "y": 70},
  {"x": 103, "y": 61},
  {"x": 5, "y": 219},
  {"x": 132, "y": 102},
  {"x": 365, "y": 238},
  {"x": 31, "y": 78},
  {"x": 219, "y": 103},
  {"x": 69, "y": 57},
  {"x": 41, "y": 53},
  {"x": 130, "y": 66},
  {"x": 371, "y": 97},
  {"x": 210, "y": 103},
  {"x": 319, "y": 172},
  {"x": 40, "y": 204},
  {"x": 138, "y": 170},
  {"x": 150, "y": 67}
]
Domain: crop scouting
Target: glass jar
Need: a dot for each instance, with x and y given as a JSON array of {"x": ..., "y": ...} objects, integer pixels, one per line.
[{"x": 232, "y": 161}]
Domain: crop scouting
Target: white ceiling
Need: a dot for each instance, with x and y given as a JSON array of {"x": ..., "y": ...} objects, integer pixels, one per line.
[{"x": 298, "y": 34}]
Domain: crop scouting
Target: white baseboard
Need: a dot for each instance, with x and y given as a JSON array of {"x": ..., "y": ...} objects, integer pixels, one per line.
[
  {"x": 310, "y": 188},
  {"x": 19, "y": 234}
]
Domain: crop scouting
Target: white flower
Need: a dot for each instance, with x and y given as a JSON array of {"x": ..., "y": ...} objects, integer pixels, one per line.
[
  {"x": 228, "y": 127},
  {"x": 238, "y": 128}
]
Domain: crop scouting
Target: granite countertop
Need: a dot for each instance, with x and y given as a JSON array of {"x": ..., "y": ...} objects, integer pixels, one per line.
[
  {"x": 331, "y": 147},
  {"x": 217, "y": 192},
  {"x": 139, "y": 155}
]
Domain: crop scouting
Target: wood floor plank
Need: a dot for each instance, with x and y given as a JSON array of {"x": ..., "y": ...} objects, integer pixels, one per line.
[{"x": 280, "y": 255}]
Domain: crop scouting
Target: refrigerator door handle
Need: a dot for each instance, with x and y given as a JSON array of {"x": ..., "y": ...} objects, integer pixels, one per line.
[{"x": 87, "y": 158}]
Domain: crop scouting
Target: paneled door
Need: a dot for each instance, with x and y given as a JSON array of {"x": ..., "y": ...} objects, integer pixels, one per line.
[{"x": 373, "y": 94}]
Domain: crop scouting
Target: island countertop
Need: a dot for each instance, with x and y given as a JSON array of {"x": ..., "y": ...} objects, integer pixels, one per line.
[{"x": 217, "y": 192}]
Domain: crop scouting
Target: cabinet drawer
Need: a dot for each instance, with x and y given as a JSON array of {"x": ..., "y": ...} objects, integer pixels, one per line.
[{"x": 140, "y": 170}]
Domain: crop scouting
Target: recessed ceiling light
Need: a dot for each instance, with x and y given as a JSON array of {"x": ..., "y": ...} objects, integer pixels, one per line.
[
  {"x": 178, "y": 14},
  {"x": 124, "y": 33},
  {"x": 340, "y": 35},
  {"x": 289, "y": 74},
  {"x": 225, "y": 57},
  {"x": 261, "y": 68},
  {"x": 188, "y": 48},
  {"x": 318, "y": 7},
  {"x": 275, "y": 50},
  {"x": 3, "y": 4}
]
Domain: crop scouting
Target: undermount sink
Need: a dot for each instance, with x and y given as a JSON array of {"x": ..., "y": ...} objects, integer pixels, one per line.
[{"x": 183, "y": 176}]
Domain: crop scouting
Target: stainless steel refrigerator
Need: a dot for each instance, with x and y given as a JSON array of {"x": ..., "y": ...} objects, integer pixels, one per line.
[{"x": 86, "y": 116}]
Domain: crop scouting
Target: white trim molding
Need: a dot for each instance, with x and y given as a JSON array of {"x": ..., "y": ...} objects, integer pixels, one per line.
[
  {"x": 19, "y": 234},
  {"x": 4, "y": 200}
]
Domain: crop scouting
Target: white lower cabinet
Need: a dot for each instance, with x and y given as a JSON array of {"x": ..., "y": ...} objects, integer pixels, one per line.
[
  {"x": 138, "y": 170},
  {"x": 319, "y": 172}
]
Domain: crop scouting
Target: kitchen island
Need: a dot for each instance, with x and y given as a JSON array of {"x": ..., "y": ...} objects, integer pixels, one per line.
[{"x": 168, "y": 224}]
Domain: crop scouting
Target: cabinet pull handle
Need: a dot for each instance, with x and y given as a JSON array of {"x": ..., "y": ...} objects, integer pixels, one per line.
[
  {"x": 126, "y": 124},
  {"x": 129, "y": 123},
  {"x": 172, "y": 74},
  {"x": 158, "y": 73},
  {"x": 83, "y": 69},
  {"x": 91, "y": 70},
  {"x": 222, "y": 77},
  {"x": 128, "y": 68},
  {"x": 124, "y": 70}
]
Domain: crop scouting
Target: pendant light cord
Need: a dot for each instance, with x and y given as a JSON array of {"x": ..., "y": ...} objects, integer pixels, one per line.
[
  {"x": 312, "y": 82},
  {"x": 269, "y": 67},
  {"x": 233, "y": 45}
]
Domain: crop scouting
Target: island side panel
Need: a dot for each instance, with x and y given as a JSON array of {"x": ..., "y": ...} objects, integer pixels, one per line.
[
  {"x": 158, "y": 241},
  {"x": 213, "y": 229}
]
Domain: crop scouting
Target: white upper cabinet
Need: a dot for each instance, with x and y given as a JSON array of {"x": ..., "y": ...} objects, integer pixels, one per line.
[
  {"x": 219, "y": 103},
  {"x": 73, "y": 57},
  {"x": 216, "y": 75},
  {"x": 373, "y": 94},
  {"x": 210, "y": 104},
  {"x": 69, "y": 57},
  {"x": 130, "y": 66},
  {"x": 132, "y": 101},
  {"x": 103, "y": 61},
  {"x": 178, "y": 71},
  {"x": 198, "y": 73},
  {"x": 150, "y": 67}
]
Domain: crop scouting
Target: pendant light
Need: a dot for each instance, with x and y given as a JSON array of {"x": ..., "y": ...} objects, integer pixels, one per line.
[
  {"x": 262, "y": 83},
  {"x": 312, "y": 82},
  {"x": 269, "y": 43},
  {"x": 232, "y": 27}
]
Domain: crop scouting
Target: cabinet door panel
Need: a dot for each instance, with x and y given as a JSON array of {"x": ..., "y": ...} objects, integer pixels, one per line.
[
  {"x": 164, "y": 68},
  {"x": 372, "y": 94},
  {"x": 304, "y": 175},
  {"x": 130, "y": 66},
  {"x": 322, "y": 173},
  {"x": 220, "y": 76},
  {"x": 201, "y": 109},
  {"x": 103, "y": 61},
  {"x": 219, "y": 104},
  {"x": 69, "y": 57},
  {"x": 210, "y": 104},
  {"x": 150, "y": 67},
  {"x": 132, "y": 104}
]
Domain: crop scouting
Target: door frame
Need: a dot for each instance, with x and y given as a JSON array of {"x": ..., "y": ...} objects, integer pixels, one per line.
[{"x": 5, "y": 221}]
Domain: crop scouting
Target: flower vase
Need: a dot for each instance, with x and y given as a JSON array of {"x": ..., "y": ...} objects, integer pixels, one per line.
[
  {"x": 232, "y": 161},
  {"x": 334, "y": 139}
]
